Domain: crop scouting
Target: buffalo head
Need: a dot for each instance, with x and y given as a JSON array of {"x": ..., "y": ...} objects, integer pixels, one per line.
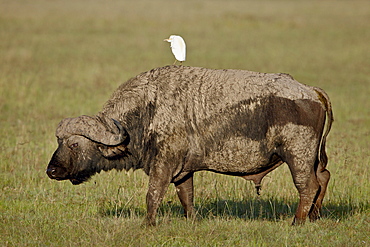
[{"x": 85, "y": 145}]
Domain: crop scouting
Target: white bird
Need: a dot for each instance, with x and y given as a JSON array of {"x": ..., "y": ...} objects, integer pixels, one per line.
[{"x": 178, "y": 47}]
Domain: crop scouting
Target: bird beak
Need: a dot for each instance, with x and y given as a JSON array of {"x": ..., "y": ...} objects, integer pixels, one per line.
[{"x": 166, "y": 40}]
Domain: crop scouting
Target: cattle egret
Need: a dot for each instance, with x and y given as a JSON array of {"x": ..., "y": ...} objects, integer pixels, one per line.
[{"x": 178, "y": 47}]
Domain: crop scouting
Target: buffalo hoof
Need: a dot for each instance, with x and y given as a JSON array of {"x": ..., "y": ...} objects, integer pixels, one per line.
[{"x": 298, "y": 222}]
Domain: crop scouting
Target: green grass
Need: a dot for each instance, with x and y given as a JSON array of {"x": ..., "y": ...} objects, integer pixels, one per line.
[{"x": 65, "y": 58}]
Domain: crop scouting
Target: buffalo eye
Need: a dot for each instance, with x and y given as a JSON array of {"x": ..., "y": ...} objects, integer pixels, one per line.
[{"x": 74, "y": 145}]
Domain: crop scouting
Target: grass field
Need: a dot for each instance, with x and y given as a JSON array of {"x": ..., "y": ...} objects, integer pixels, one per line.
[{"x": 65, "y": 58}]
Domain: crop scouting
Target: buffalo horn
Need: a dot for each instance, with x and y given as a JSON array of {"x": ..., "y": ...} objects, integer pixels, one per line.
[{"x": 101, "y": 129}]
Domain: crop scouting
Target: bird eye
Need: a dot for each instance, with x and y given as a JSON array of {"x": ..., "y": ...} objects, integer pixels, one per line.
[{"x": 74, "y": 145}]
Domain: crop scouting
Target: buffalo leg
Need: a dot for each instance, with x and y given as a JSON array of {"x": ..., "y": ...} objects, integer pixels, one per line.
[
  {"x": 307, "y": 194},
  {"x": 185, "y": 192},
  {"x": 159, "y": 180},
  {"x": 305, "y": 180},
  {"x": 323, "y": 177}
]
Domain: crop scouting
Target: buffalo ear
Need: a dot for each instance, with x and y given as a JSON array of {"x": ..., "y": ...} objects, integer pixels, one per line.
[
  {"x": 113, "y": 151},
  {"x": 100, "y": 129}
]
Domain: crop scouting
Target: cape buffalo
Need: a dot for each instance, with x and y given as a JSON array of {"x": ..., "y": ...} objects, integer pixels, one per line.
[{"x": 176, "y": 120}]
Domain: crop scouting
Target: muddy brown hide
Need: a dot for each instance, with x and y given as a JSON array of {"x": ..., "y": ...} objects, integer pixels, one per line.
[{"x": 176, "y": 120}]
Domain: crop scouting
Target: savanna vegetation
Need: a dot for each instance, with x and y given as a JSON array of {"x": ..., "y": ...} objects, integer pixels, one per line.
[{"x": 65, "y": 58}]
